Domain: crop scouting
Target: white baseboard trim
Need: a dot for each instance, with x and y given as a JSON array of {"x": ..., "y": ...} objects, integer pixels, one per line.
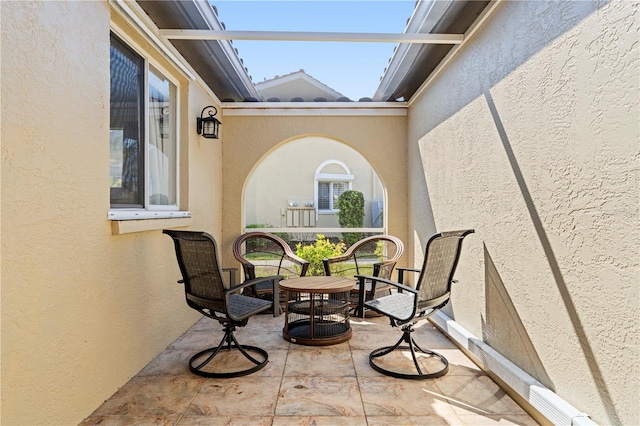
[{"x": 545, "y": 401}]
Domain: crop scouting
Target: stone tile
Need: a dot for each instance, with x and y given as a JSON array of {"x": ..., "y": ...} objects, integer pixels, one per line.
[
  {"x": 433, "y": 340},
  {"x": 155, "y": 395},
  {"x": 188, "y": 420},
  {"x": 309, "y": 385},
  {"x": 205, "y": 324},
  {"x": 489, "y": 420},
  {"x": 197, "y": 341},
  {"x": 319, "y": 396},
  {"x": 477, "y": 395},
  {"x": 241, "y": 396},
  {"x": 275, "y": 366},
  {"x": 375, "y": 333},
  {"x": 412, "y": 420},
  {"x": 268, "y": 340},
  {"x": 327, "y": 361},
  {"x": 266, "y": 323},
  {"x": 459, "y": 363},
  {"x": 361, "y": 364},
  {"x": 386, "y": 396},
  {"x": 130, "y": 420},
  {"x": 319, "y": 421},
  {"x": 169, "y": 362},
  {"x": 372, "y": 338}
]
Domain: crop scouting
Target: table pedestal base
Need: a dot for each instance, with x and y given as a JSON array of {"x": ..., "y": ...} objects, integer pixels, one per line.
[
  {"x": 325, "y": 332},
  {"x": 316, "y": 310}
]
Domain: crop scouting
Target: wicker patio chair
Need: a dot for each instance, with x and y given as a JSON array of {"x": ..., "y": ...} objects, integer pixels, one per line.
[
  {"x": 410, "y": 305},
  {"x": 377, "y": 256},
  {"x": 262, "y": 254},
  {"x": 207, "y": 293}
]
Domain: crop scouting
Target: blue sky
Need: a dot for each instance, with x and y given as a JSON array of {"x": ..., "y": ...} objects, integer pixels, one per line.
[{"x": 353, "y": 69}]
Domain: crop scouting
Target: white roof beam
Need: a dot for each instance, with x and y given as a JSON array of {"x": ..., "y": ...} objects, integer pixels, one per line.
[{"x": 312, "y": 36}]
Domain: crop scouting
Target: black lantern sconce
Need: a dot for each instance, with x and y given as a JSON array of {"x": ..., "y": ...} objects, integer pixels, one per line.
[{"x": 208, "y": 126}]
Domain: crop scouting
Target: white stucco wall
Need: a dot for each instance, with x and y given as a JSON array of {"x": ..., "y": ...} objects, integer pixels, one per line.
[
  {"x": 83, "y": 310},
  {"x": 530, "y": 137}
]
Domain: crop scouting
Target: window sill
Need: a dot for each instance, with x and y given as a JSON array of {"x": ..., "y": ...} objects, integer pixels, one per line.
[{"x": 127, "y": 222}]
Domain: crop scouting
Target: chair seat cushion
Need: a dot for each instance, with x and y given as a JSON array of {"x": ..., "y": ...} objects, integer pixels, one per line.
[
  {"x": 397, "y": 305},
  {"x": 241, "y": 307}
]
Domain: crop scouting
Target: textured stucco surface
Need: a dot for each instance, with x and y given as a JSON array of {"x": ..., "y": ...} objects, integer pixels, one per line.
[
  {"x": 249, "y": 139},
  {"x": 530, "y": 136},
  {"x": 82, "y": 310}
]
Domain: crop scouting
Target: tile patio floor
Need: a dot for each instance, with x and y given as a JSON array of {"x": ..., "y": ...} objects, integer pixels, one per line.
[{"x": 306, "y": 385}]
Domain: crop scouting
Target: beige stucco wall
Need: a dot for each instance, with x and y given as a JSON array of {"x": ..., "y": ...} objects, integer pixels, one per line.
[
  {"x": 249, "y": 138},
  {"x": 83, "y": 310},
  {"x": 530, "y": 136},
  {"x": 288, "y": 173}
]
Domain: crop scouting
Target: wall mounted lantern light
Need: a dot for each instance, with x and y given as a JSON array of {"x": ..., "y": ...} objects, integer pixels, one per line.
[{"x": 208, "y": 126}]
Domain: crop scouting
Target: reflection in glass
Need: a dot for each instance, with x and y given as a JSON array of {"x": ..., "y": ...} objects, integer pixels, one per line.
[{"x": 162, "y": 142}]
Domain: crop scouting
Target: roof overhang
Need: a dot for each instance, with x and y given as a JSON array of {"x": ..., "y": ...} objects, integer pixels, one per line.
[
  {"x": 411, "y": 64},
  {"x": 215, "y": 61}
]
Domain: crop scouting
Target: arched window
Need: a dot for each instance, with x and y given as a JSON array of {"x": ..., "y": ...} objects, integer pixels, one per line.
[{"x": 332, "y": 178}]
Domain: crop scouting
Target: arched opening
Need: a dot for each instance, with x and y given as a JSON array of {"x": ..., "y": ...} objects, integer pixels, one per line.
[{"x": 294, "y": 189}]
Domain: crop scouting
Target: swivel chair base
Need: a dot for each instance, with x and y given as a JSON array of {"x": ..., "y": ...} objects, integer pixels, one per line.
[
  {"x": 228, "y": 343},
  {"x": 413, "y": 348}
]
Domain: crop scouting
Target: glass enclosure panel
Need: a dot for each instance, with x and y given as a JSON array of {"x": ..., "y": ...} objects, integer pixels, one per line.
[
  {"x": 291, "y": 191},
  {"x": 126, "y": 126},
  {"x": 162, "y": 141}
]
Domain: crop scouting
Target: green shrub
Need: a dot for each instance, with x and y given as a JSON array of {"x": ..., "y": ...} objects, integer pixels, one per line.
[
  {"x": 351, "y": 215},
  {"x": 322, "y": 249}
]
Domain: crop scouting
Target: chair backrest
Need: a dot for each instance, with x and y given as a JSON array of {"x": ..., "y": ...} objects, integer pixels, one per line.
[
  {"x": 263, "y": 254},
  {"x": 197, "y": 255},
  {"x": 376, "y": 256},
  {"x": 440, "y": 262}
]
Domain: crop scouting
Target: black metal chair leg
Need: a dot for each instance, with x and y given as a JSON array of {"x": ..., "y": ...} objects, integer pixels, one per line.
[
  {"x": 231, "y": 344},
  {"x": 413, "y": 348}
]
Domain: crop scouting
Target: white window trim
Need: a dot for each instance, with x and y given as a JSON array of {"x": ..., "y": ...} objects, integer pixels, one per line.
[
  {"x": 139, "y": 214},
  {"x": 157, "y": 211},
  {"x": 347, "y": 177}
]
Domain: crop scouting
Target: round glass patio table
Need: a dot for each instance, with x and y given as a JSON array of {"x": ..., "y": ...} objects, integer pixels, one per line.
[{"x": 317, "y": 310}]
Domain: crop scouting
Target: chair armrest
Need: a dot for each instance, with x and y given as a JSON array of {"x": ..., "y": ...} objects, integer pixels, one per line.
[
  {"x": 325, "y": 264},
  {"x": 298, "y": 259},
  {"x": 275, "y": 279},
  {"x": 335, "y": 259},
  {"x": 399, "y": 286},
  {"x": 304, "y": 264},
  {"x": 402, "y": 270},
  {"x": 361, "y": 284}
]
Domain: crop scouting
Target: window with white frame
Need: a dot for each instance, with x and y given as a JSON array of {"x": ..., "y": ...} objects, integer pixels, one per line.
[
  {"x": 332, "y": 178},
  {"x": 143, "y": 137},
  {"x": 328, "y": 193}
]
